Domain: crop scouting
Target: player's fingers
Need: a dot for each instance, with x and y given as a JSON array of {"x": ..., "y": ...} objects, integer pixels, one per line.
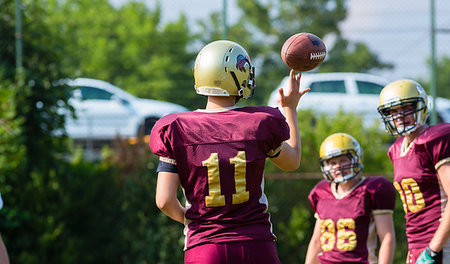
[
  {"x": 302, "y": 92},
  {"x": 281, "y": 92}
]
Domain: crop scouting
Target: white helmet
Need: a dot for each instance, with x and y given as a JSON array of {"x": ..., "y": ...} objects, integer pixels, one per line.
[{"x": 223, "y": 68}]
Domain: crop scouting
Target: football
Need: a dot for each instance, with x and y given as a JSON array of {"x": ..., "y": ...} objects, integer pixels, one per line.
[{"x": 303, "y": 52}]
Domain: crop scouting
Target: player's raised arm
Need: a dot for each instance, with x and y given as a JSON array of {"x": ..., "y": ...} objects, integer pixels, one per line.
[{"x": 290, "y": 155}]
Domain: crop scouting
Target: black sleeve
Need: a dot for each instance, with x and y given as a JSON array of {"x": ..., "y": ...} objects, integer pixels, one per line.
[{"x": 167, "y": 167}]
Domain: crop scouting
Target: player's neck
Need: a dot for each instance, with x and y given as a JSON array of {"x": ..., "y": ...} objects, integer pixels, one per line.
[
  {"x": 410, "y": 137},
  {"x": 346, "y": 187},
  {"x": 219, "y": 102}
]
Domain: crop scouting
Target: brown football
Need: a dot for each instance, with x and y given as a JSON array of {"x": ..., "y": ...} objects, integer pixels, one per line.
[{"x": 303, "y": 51}]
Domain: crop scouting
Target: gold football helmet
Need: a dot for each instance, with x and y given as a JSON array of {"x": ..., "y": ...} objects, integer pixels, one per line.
[
  {"x": 336, "y": 145},
  {"x": 223, "y": 68},
  {"x": 401, "y": 93}
]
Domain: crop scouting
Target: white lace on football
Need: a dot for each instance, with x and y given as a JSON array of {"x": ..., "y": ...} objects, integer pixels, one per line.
[{"x": 317, "y": 55}]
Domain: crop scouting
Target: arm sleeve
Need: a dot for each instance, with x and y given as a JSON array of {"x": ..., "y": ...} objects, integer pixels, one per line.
[
  {"x": 160, "y": 141},
  {"x": 312, "y": 197},
  {"x": 280, "y": 132},
  {"x": 440, "y": 150},
  {"x": 167, "y": 167},
  {"x": 383, "y": 196}
]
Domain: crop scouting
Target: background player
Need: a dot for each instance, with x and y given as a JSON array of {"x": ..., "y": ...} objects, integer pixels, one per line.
[
  {"x": 218, "y": 156},
  {"x": 350, "y": 210},
  {"x": 421, "y": 160},
  {"x": 4, "y": 259}
]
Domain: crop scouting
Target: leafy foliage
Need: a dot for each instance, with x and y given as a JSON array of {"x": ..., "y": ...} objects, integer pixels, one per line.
[
  {"x": 127, "y": 47},
  {"x": 314, "y": 128},
  {"x": 265, "y": 25},
  {"x": 62, "y": 209},
  {"x": 442, "y": 81}
]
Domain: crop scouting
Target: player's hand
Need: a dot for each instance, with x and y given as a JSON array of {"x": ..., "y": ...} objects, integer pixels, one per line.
[
  {"x": 292, "y": 95},
  {"x": 428, "y": 258}
]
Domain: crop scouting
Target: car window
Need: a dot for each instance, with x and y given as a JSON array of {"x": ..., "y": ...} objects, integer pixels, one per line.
[
  {"x": 368, "y": 87},
  {"x": 92, "y": 93},
  {"x": 328, "y": 87}
]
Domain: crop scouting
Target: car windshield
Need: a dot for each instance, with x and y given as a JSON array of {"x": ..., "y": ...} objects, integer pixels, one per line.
[
  {"x": 368, "y": 87},
  {"x": 328, "y": 87},
  {"x": 91, "y": 93}
]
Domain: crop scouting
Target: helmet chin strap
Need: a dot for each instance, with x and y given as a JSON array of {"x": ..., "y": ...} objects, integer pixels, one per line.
[
  {"x": 345, "y": 178},
  {"x": 406, "y": 130}
]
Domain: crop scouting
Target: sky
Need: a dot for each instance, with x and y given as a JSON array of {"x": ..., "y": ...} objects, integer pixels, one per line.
[{"x": 397, "y": 31}]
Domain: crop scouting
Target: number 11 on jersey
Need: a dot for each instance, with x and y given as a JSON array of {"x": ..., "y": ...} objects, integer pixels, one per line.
[{"x": 215, "y": 197}]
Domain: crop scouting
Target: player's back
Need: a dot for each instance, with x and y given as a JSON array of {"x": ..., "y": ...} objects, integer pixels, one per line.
[{"x": 220, "y": 158}]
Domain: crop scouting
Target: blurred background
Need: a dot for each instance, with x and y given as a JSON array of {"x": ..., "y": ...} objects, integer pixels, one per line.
[{"x": 83, "y": 81}]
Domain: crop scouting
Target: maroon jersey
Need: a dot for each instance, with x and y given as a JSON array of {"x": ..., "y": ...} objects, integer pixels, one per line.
[
  {"x": 415, "y": 178},
  {"x": 220, "y": 158},
  {"x": 347, "y": 225}
]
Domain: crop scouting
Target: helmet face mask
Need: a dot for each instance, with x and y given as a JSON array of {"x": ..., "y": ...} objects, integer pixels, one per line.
[
  {"x": 407, "y": 109},
  {"x": 338, "y": 145},
  {"x": 329, "y": 168},
  {"x": 223, "y": 68},
  {"x": 399, "y": 95}
]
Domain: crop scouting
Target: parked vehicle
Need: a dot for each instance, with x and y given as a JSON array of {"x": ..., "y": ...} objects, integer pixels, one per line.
[
  {"x": 104, "y": 111},
  {"x": 352, "y": 92}
]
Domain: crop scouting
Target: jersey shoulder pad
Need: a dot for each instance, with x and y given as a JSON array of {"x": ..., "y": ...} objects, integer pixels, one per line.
[
  {"x": 168, "y": 119},
  {"x": 381, "y": 187},
  {"x": 321, "y": 186},
  {"x": 160, "y": 136},
  {"x": 268, "y": 110},
  {"x": 433, "y": 132},
  {"x": 378, "y": 182}
]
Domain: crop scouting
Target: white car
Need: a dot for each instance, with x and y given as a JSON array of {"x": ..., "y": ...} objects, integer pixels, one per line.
[
  {"x": 352, "y": 92},
  {"x": 104, "y": 111}
]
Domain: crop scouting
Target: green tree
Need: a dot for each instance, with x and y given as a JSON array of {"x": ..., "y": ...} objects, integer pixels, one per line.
[
  {"x": 314, "y": 128},
  {"x": 443, "y": 78},
  {"x": 126, "y": 46},
  {"x": 33, "y": 119},
  {"x": 265, "y": 25}
]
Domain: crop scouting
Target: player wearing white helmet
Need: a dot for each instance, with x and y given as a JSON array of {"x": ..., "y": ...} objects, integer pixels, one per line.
[
  {"x": 421, "y": 160},
  {"x": 218, "y": 154},
  {"x": 352, "y": 212}
]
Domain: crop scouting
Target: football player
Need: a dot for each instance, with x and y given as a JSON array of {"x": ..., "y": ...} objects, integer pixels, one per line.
[
  {"x": 352, "y": 212},
  {"x": 4, "y": 259},
  {"x": 218, "y": 154},
  {"x": 421, "y": 161}
]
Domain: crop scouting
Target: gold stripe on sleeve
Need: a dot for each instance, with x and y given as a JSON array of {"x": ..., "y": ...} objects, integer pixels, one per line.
[
  {"x": 441, "y": 162},
  {"x": 274, "y": 152},
  {"x": 168, "y": 160},
  {"x": 382, "y": 211}
]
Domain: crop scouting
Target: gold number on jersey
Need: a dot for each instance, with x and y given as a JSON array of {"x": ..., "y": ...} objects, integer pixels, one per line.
[
  {"x": 239, "y": 162},
  {"x": 327, "y": 239},
  {"x": 346, "y": 237},
  {"x": 215, "y": 197},
  {"x": 409, "y": 192}
]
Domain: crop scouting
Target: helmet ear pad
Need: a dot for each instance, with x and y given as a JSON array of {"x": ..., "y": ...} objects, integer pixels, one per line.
[{"x": 223, "y": 68}]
